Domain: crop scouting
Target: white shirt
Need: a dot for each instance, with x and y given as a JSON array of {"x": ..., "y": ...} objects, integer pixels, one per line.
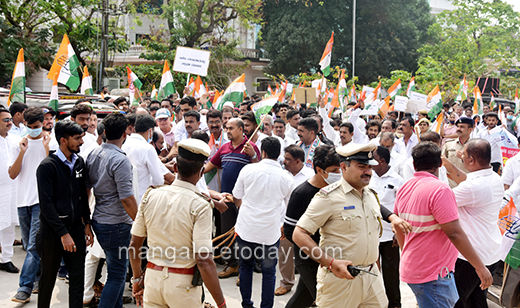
[
  {"x": 397, "y": 162},
  {"x": 479, "y": 198},
  {"x": 511, "y": 170},
  {"x": 494, "y": 141},
  {"x": 18, "y": 131},
  {"x": 263, "y": 188},
  {"x": 89, "y": 144},
  {"x": 180, "y": 129},
  {"x": 303, "y": 175},
  {"x": 328, "y": 129},
  {"x": 8, "y": 186},
  {"x": 262, "y": 136},
  {"x": 397, "y": 145},
  {"x": 142, "y": 155},
  {"x": 291, "y": 132},
  {"x": 413, "y": 141},
  {"x": 386, "y": 187},
  {"x": 359, "y": 135},
  {"x": 35, "y": 153},
  {"x": 409, "y": 170}
]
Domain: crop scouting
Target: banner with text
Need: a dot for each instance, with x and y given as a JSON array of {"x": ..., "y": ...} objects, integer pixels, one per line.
[{"x": 190, "y": 60}]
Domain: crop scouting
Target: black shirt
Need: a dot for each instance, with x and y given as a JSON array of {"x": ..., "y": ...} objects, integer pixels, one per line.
[{"x": 298, "y": 203}]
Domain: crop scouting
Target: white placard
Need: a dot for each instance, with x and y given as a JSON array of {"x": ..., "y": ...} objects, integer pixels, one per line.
[
  {"x": 400, "y": 103},
  {"x": 418, "y": 96},
  {"x": 367, "y": 90},
  {"x": 190, "y": 60},
  {"x": 289, "y": 88},
  {"x": 315, "y": 83},
  {"x": 372, "y": 109}
]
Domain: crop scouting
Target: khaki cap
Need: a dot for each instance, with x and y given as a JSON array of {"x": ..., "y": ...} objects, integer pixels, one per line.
[{"x": 362, "y": 153}]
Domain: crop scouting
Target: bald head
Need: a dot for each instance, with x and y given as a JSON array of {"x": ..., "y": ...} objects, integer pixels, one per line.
[
  {"x": 387, "y": 136},
  {"x": 431, "y": 136},
  {"x": 237, "y": 122},
  {"x": 480, "y": 151}
]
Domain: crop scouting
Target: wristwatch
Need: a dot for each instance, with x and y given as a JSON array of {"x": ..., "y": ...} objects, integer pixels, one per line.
[
  {"x": 254, "y": 156},
  {"x": 135, "y": 280}
]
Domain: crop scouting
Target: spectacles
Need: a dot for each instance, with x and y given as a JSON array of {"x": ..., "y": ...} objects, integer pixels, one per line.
[
  {"x": 7, "y": 120},
  {"x": 162, "y": 119}
]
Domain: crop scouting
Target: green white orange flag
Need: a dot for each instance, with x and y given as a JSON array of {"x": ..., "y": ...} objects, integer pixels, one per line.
[
  {"x": 264, "y": 106},
  {"x": 463, "y": 89},
  {"x": 66, "y": 64},
  {"x": 134, "y": 85},
  {"x": 17, "y": 92},
  {"x": 167, "y": 86},
  {"x": 394, "y": 89},
  {"x": 477, "y": 104},
  {"x": 517, "y": 102},
  {"x": 411, "y": 87},
  {"x": 437, "y": 124},
  {"x": 327, "y": 54},
  {"x": 373, "y": 96},
  {"x": 191, "y": 85},
  {"x": 434, "y": 102},
  {"x": 53, "y": 99},
  {"x": 155, "y": 92},
  {"x": 86, "y": 83},
  {"x": 199, "y": 88},
  {"x": 492, "y": 102},
  {"x": 234, "y": 92},
  {"x": 132, "y": 77}
]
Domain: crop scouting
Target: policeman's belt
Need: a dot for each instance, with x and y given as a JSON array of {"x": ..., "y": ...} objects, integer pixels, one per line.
[{"x": 174, "y": 270}]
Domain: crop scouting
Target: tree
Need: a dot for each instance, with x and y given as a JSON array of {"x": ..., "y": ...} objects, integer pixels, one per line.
[
  {"x": 479, "y": 38},
  {"x": 388, "y": 34}
]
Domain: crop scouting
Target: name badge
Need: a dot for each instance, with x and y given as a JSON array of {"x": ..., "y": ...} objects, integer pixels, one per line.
[{"x": 350, "y": 207}]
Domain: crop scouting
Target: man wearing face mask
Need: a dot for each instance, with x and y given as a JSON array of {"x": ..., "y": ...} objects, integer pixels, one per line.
[
  {"x": 25, "y": 159},
  {"x": 142, "y": 155},
  {"x": 348, "y": 215},
  {"x": 385, "y": 181}
]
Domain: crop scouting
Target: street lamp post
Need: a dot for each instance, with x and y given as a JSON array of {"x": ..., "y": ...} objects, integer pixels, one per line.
[{"x": 354, "y": 39}]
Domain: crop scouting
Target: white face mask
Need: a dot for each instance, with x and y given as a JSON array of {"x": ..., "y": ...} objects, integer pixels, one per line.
[{"x": 333, "y": 177}]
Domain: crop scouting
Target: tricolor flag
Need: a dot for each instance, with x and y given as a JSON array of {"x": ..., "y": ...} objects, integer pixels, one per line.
[
  {"x": 264, "y": 106},
  {"x": 394, "y": 89},
  {"x": 477, "y": 104},
  {"x": 234, "y": 92},
  {"x": 269, "y": 91},
  {"x": 66, "y": 64},
  {"x": 327, "y": 54},
  {"x": 216, "y": 99},
  {"x": 437, "y": 124},
  {"x": 53, "y": 99},
  {"x": 199, "y": 88},
  {"x": 462, "y": 89},
  {"x": 191, "y": 85},
  {"x": 385, "y": 107},
  {"x": 434, "y": 102},
  {"x": 337, "y": 100},
  {"x": 167, "y": 86},
  {"x": 154, "y": 94},
  {"x": 86, "y": 83},
  {"x": 411, "y": 87},
  {"x": 373, "y": 96},
  {"x": 517, "y": 102},
  {"x": 134, "y": 85},
  {"x": 17, "y": 92},
  {"x": 492, "y": 102}
]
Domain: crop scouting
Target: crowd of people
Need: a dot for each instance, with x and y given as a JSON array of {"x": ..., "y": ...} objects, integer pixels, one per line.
[{"x": 162, "y": 191}]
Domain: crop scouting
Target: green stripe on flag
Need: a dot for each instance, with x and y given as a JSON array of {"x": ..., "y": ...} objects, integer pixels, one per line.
[
  {"x": 18, "y": 90},
  {"x": 54, "y": 104}
]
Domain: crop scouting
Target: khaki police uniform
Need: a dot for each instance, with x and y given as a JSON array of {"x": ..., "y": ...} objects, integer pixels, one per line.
[
  {"x": 449, "y": 150},
  {"x": 349, "y": 224},
  {"x": 177, "y": 221}
]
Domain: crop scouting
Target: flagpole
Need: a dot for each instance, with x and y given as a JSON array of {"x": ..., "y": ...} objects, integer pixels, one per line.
[
  {"x": 354, "y": 39},
  {"x": 256, "y": 130},
  {"x": 188, "y": 80}
]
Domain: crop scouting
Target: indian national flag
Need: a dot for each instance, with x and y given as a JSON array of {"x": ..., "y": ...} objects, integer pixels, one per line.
[
  {"x": 66, "y": 64},
  {"x": 373, "y": 96},
  {"x": 492, "y": 102},
  {"x": 394, "y": 89},
  {"x": 167, "y": 86},
  {"x": 53, "y": 100},
  {"x": 352, "y": 94},
  {"x": 434, "y": 102},
  {"x": 463, "y": 89},
  {"x": 86, "y": 83},
  {"x": 191, "y": 85},
  {"x": 517, "y": 102},
  {"x": 385, "y": 107},
  {"x": 339, "y": 93},
  {"x": 265, "y": 105},
  {"x": 234, "y": 92},
  {"x": 17, "y": 92},
  {"x": 477, "y": 104},
  {"x": 327, "y": 54},
  {"x": 216, "y": 99},
  {"x": 134, "y": 85},
  {"x": 199, "y": 88},
  {"x": 269, "y": 91},
  {"x": 411, "y": 87},
  {"x": 437, "y": 124},
  {"x": 154, "y": 94}
]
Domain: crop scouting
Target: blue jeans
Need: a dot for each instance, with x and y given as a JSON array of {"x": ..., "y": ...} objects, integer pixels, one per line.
[
  {"x": 438, "y": 293},
  {"x": 29, "y": 217},
  {"x": 114, "y": 239},
  {"x": 267, "y": 255}
]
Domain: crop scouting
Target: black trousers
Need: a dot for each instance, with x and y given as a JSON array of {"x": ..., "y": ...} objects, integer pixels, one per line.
[
  {"x": 305, "y": 293},
  {"x": 390, "y": 270},
  {"x": 51, "y": 251},
  {"x": 227, "y": 221},
  {"x": 467, "y": 281}
]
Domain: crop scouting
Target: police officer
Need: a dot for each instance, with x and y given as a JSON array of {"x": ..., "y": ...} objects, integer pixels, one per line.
[
  {"x": 452, "y": 149},
  {"x": 349, "y": 216},
  {"x": 176, "y": 219}
]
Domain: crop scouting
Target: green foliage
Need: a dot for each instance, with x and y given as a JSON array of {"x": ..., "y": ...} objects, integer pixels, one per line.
[
  {"x": 388, "y": 34},
  {"x": 478, "y": 39}
]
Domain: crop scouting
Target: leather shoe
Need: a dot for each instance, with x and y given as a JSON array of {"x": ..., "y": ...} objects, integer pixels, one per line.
[
  {"x": 281, "y": 291},
  {"x": 9, "y": 267},
  {"x": 228, "y": 272}
]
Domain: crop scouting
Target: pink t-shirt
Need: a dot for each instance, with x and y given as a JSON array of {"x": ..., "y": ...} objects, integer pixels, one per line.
[{"x": 426, "y": 202}]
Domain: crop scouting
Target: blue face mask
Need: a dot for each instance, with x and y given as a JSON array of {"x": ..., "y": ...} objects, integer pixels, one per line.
[
  {"x": 34, "y": 132},
  {"x": 509, "y": 117},
  {"x": 150, "y": 139}
]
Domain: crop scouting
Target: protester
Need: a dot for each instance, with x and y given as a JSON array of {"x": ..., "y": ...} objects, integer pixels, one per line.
[
  {"x": 122, "y": 104},
  {"x": 346, "y": 132},
  {"x": 17, "y": 110},
  {"x": 81, "y": 114},
  {"x": 110, "y": 175},
  {"x": 165, "y": 127},
  {"x": 291, "y": 128},
  {"x": 429, "y": 205},
  {"x": 452, "y": 149},
  {"x": 309, "y": 141},
  {"x": 216, "y": 139},
  {"x": 65, "y": 227},
  {"x": 492, "y": 135},
  {"x": 25, "y": 159},
  {"x": 259, "y": 219},
  {"x": 279, "y": 130},
  {"x": 409, "y": 140}
]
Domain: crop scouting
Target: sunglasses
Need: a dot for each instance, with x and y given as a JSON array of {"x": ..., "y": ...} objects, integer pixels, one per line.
[{"x": 7, "y": 120}]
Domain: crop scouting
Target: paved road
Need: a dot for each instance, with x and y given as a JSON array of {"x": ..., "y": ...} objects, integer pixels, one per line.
[{"x": 9, "y": 285}]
